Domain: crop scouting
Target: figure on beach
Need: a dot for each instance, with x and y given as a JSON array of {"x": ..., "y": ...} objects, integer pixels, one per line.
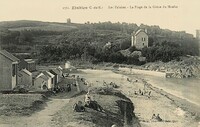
[
  {"x": 156, "y": 118},
  {"x": 88, "y": 97},
  {"x": 149, "y": 94},
  {"x": 140, "y": 91},
  {"x": 91, "y": 103},
  {"x": 153, "y": 117}
]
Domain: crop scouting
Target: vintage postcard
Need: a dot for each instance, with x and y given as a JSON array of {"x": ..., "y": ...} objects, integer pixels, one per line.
[{"x": 99, "y": 63}]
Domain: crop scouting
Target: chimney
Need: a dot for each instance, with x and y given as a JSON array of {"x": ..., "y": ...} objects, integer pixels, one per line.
[{"x": 145, "y": 30}]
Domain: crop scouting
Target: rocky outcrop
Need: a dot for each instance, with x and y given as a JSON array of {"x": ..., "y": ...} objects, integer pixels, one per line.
[{"x": 187, "y": 67}]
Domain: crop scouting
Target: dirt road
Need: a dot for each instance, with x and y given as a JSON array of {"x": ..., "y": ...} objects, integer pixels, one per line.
[
  {"x": 39, "y": 119},
  {"x": 42, "y": 118}
]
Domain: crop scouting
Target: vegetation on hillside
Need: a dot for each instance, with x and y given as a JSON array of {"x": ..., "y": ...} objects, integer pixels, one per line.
[{"x": 89, "y": 41}]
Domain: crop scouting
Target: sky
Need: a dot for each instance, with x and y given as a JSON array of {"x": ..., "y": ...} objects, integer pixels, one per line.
[{"x": 185, "y": 17}]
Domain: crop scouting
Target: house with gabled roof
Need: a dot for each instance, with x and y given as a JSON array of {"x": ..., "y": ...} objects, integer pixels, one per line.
[
  {"x": 42, "y": 82},
  {"x": 139, "y": 39},
  {"x": 25, "y": 78},
  {"x": 52, "y": 76},
  {"x": 8, "y": 71},
  {"x": 58, "y": 74},
  {"x": 45, "y": 79},
  {"x": 28, "y": 64}
]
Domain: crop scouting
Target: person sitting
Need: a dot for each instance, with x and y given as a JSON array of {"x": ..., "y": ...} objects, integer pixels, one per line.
[
  {"x": 78, "y": 107},
  {"x": 158, "y": 118},
  {"x": 153, "y": 116},
  {"x": 68, "y": 87},
  {"x": 90, "y": 103},
  {"x": 88, "y": 97},
  {"x": 94, "y": 105},
  {"x": 135, "y": 93}
]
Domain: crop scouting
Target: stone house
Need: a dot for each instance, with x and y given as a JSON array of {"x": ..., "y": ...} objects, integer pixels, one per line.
[{"x": 139, "y": 39}]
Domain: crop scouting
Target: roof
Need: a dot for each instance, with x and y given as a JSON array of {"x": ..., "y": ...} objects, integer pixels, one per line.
[
  {"x": 41, "y": 75},
  {"x": 29, "y": 60},
  {"x": 60, "y": 68},
  {"x": 9, "y": 55},
  {"x": 19, "y": 74},
  {"x": 35, "y": 74},
  {"x": 140, "y": 30},
  {"x": 26, "y": 71},
  {"x": 55, "y": 71},
  {"x": 49, "y": 74},
  {"x": 44, "y": 77}
]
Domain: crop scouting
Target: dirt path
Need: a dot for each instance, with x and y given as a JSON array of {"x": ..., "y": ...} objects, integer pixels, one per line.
[{"x": 39, "y": 119}]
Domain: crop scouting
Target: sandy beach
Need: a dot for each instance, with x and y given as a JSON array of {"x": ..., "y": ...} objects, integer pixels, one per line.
[
  {"x": 147, "y": 98},
  {"x": 174, "y": 111}
]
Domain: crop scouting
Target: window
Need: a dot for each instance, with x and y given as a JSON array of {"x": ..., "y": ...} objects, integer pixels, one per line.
[
  {"x": 51, "y": 80},
  {"x": 143, "y": 38},
  {"x": 14, "y": 70},
  {"x": 143, "y": 44}
]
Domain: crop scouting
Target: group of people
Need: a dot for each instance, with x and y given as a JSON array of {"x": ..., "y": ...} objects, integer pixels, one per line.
[
  {"x": 156, "y": 118},
  {"x": 89, "y": 102},
  {"x": 140, "y": 92}
]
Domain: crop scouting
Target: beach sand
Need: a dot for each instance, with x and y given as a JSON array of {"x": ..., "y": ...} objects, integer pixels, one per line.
[{"x": 174, "y": 111}]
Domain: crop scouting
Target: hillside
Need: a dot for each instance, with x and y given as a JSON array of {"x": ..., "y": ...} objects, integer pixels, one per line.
[
  {"x": 88, "y": 41},
  {"x": 36, "y": 25}
]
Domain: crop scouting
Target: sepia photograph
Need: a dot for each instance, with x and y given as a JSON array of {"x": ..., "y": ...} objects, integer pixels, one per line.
[{"x": 99, "y": 63}]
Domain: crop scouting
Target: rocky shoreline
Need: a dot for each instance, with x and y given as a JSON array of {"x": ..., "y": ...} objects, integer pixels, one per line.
[{"x": 185, "y": 68}]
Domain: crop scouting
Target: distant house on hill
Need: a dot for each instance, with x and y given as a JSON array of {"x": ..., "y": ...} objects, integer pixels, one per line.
[
  {"x": 139, "y": 39},
  {"x": 25, "y": 78},
  {"x": 8, "y": 70},
  {"x": 28, "y": 64}
]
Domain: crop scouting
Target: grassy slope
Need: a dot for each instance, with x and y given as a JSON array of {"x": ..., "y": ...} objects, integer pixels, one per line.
[
  {"x": 92, "y": 118},
  {"x": 20, "y": 104}
]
